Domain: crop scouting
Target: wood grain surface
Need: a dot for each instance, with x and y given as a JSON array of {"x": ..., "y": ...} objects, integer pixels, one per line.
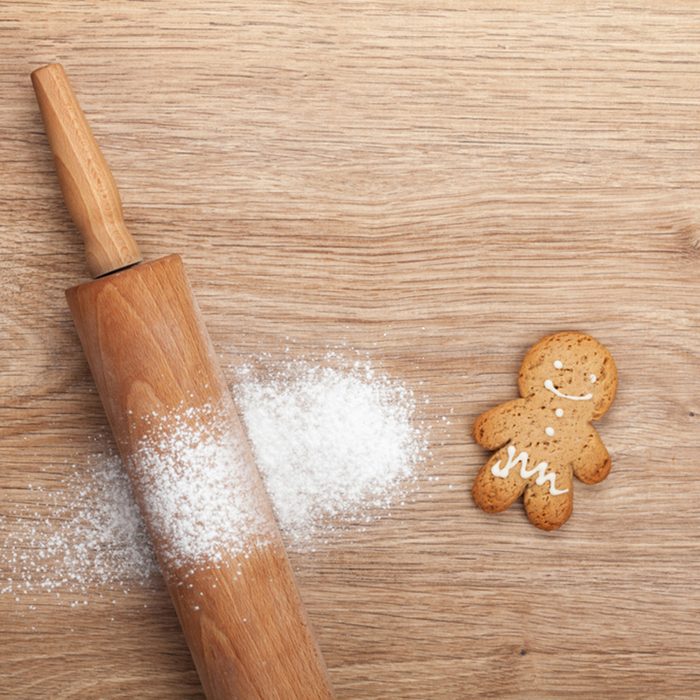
[{"x": 435, "y": 183}]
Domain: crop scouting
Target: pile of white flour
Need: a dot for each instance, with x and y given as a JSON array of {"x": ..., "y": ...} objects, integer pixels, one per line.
[{"x": 332, "y": 445}]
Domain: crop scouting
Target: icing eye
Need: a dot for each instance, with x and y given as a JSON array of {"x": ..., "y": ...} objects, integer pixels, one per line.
[
  {"x": 593, "y": 378},
  {"x": 558, "y": 364}
]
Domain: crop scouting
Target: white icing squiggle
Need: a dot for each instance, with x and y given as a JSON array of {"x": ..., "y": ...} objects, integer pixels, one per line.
[
  {"x": 548, "y": 384},
  {"x": 541, "y": 470}
]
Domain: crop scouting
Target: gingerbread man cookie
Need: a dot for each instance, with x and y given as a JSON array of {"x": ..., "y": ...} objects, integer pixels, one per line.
[{"x": 545, "y": 438}]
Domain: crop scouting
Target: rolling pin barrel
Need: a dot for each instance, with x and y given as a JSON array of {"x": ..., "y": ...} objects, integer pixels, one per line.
[
  {"x": 241, "y": 614},
  {"x": 150, "y": 355}
]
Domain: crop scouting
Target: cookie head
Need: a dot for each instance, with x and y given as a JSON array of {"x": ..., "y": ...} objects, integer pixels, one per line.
[{"x": 570, "y": 366}]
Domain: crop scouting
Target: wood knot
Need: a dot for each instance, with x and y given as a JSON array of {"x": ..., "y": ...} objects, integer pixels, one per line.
[{"x": 690, "y": 237}]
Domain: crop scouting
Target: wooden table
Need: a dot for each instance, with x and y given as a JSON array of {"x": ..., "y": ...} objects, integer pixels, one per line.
[{"x": 438, "y": 184}]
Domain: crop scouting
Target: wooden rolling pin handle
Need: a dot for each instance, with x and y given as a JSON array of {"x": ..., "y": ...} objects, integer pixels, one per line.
[{"x": 88, "y": 187}]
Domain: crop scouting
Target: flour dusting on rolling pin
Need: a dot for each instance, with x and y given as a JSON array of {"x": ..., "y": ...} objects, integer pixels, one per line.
[{"x": 196, "y": 489}]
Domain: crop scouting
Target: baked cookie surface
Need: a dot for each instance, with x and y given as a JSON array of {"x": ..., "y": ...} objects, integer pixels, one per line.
[{"x": 545, "y": 438}]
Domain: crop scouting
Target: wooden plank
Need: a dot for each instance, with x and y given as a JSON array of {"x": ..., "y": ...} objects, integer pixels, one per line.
[{"x": 435, "y": 183}]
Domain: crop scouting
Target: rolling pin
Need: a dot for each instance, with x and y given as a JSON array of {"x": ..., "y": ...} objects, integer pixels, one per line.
[{"x": 150, "y": 356}]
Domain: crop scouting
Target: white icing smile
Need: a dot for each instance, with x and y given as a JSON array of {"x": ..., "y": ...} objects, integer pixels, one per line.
[{"x": 548, "y": 384}]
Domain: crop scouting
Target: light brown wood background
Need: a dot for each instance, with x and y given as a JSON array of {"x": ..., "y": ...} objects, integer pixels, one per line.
[{"x": 436, "y": 183}]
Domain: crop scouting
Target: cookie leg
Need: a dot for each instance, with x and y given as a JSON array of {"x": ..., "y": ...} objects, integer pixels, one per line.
[
  {"x": 495, "y": 494},
  {"x": 546, "y": 511}
]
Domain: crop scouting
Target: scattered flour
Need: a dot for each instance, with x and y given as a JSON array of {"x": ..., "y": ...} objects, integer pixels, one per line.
[
  {"x": 334, "y": 445},
  {"x": 93, "y": 537}
]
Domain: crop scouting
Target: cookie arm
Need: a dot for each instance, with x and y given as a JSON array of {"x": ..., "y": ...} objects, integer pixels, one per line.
[
  {"x": 494, "y": 428},
  {"x": 592, "y": 464}
]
